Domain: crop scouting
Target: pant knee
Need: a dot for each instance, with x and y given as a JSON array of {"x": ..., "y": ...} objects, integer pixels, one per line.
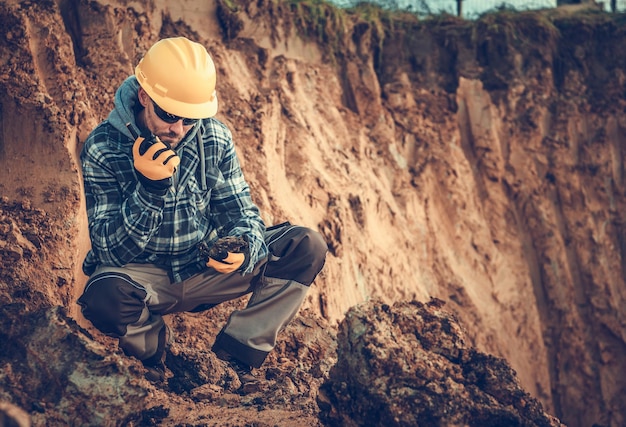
[
  {"x": 315, "y": 248},
  {"x": 299, "y": 254},
  {"x": 112, "y": 301}
]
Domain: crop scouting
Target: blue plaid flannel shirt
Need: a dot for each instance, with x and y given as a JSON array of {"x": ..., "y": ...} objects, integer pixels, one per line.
[{"x": 128, "y": 224}]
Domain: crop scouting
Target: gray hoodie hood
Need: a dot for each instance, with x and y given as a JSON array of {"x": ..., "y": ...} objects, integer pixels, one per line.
[{"x": 126, "y": 100}]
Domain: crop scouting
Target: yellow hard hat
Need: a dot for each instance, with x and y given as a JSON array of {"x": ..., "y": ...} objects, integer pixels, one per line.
[{"x": 179, "y": 75}]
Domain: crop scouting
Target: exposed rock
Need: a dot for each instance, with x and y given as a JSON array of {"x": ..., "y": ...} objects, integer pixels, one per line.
[
  {"x": 410, "y": 365},
  {"x": 56, "y": 371}
]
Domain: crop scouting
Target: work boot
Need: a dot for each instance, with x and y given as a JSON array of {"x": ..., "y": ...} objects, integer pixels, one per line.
[
  {"x": 249, "y": 382},
  {"x": 244, "y": 372},
  {"x": 155, "y": 373},
  {"x": 155, "y": 364}
]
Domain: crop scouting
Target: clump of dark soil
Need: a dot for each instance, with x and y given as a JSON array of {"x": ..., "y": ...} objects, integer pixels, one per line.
[{"x": 409, "y": 365}]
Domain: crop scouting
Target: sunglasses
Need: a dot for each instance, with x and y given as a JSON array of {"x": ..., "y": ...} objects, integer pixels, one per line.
[{"x": 170, "y": 118}]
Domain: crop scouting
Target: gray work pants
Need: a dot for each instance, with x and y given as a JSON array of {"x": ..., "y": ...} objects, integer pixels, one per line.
[{"x": 129, "y": 302}]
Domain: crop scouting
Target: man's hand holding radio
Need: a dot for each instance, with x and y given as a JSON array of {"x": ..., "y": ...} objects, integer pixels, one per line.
[{"x": 154, "y": 165}]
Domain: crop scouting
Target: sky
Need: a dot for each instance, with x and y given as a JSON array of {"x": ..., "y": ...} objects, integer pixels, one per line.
[{"x": 474, "y": 8}]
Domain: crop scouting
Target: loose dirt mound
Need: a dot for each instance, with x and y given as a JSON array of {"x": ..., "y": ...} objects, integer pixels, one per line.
[{"x": 409, "y": 365}]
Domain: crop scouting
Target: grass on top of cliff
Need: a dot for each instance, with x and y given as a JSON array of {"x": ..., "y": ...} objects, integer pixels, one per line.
[
  {"x": 494, "y": 35},
  {"x": 518, "y": 28}
]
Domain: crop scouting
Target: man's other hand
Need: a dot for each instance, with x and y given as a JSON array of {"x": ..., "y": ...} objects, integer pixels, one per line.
[{"x": 230, "y": 263}]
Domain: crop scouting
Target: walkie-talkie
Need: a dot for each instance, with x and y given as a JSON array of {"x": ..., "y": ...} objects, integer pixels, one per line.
[{"x": 146, "y": 143}]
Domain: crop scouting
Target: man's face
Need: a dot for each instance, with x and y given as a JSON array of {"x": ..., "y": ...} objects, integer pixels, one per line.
[{"x": 171, "y": 133}]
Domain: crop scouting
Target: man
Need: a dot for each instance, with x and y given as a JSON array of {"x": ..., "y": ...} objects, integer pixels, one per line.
[{"x": 172, "y": 225}]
